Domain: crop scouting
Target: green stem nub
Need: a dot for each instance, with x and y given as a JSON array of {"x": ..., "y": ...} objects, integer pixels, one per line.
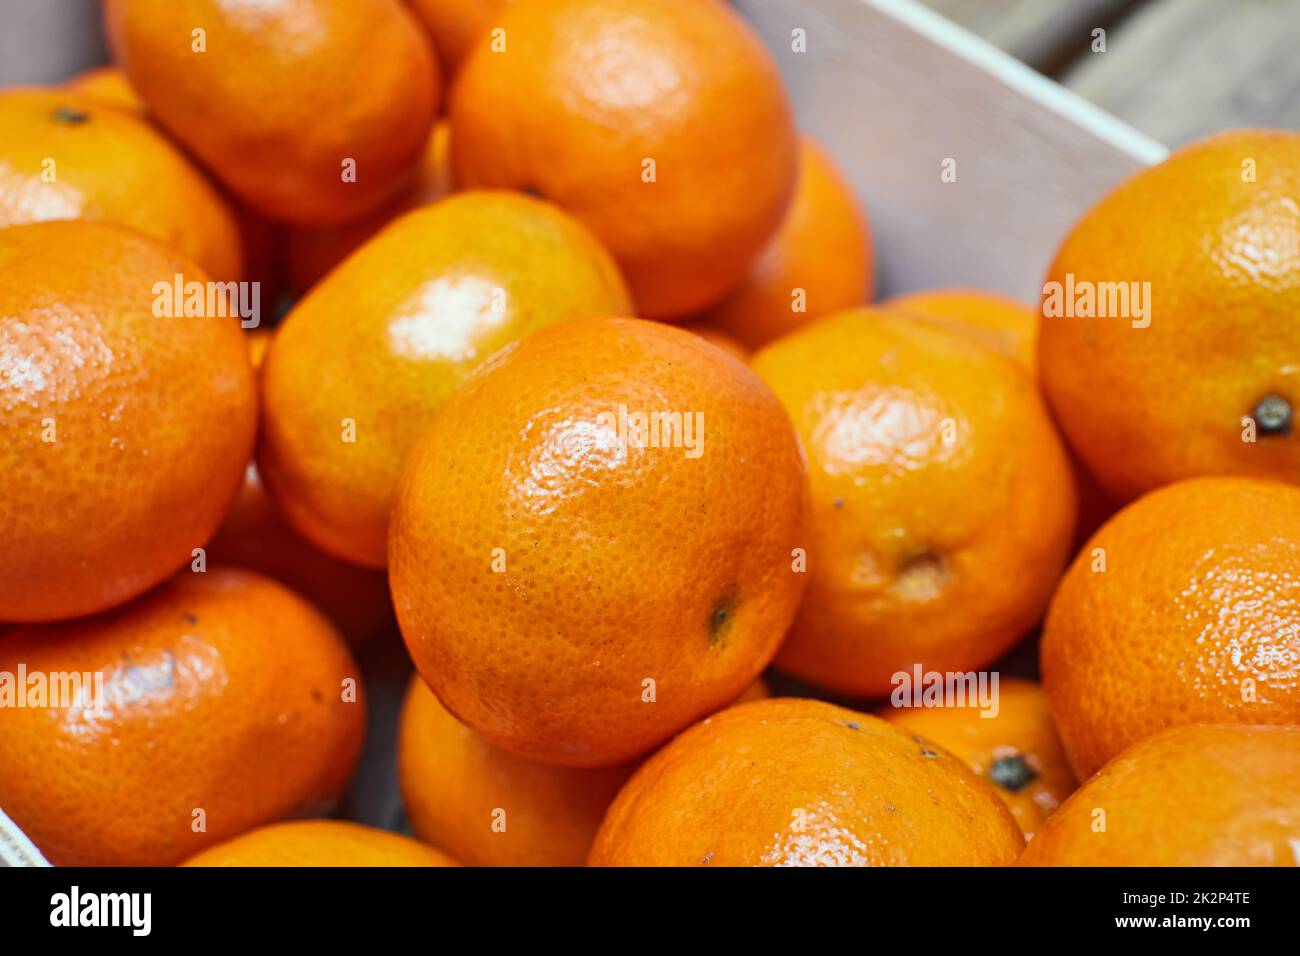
[
  {"x": 724, "y": 611},
  {"x": 1273, "y": 415},
  {"x": 70, "y": 115},
  {"x": 1012, "y": 773}
]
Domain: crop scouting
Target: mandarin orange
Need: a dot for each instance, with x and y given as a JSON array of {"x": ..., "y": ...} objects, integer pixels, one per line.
[
  {"x": 124, "y": 433},
  {"x": 312, "y": 111},
  {"x": 1192, "y": 371},
  {"x": 1000, "y": 322},
  {"x": 225, "y": 701},
  {"x": 67, "y": 156},
  {"x": 943, "y": 503},
  {"x": 454, "y": 25},
  {"x": 660, "y": 124},
  {"x": 786, "y": 782},
  {"x": 1198, "y": 795},
  {"x": 108, "y": 86},
  {"x": 595, "y": 541},
  {"x": 320, "y": 843},
  {"x": 362, "y": 362},
  {"x": 1181, "y": 609},
  {"x": 1014, "y": 746},
  {"x": 311, "y": 252},
  {"x": 487, "y": 806},
  {"x": 820, "y": 260}
]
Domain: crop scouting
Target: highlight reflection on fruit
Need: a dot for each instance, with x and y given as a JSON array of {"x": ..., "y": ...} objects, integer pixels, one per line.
[{"x": 479, "y": 407}]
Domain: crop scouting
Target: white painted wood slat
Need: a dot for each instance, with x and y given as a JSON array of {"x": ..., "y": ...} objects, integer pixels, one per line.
[{"x": 893, "y": 90}]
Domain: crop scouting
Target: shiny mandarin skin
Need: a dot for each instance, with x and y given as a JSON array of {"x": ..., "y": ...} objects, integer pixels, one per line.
[
  {"x": 386, "y": 336},
  {"x": 998, "y": 321},
  {"x": 109, "y": 165},
  {"x": 223, "y": 692},
  {"x": 320, "y": 843},
  {"x": 1147, "y": 406},
  {"x": 823, "y": 247},
  {"x": 1199, "y": 795},
  {"x": 310, "y": 252},
  {"x": 454, "y": 25},
  {"x": 787, "y": 782},
  {"x": 1017, "y": 751},
  {"x": 123, "y": 437},
  {"x": 931, "y": 543},
  {"x": 588, "y": 90},
  {"x": 1009, "y": 327},
  {"x": 286, "y": 91},
  {"x": 622, "y": 563},
  {"x": 1195, "y": 611},
  {"x": 108, "y": 86},
  {"x": 456, "y": 786}
]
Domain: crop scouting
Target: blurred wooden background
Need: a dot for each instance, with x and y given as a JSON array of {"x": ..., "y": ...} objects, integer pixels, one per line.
[{"x": 1173, "y": 69}]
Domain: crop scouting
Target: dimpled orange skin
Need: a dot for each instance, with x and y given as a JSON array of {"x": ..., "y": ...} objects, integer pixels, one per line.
[
  {"x": 1017, "y": 750},
  {"x": 1199, "y": 795},
  {"x": 456, "y": 786},
  {"x": 587, "y": 90},
  {"x": 787, "y": 782},
  {"x": 109, "y": 165},
  {"x": 623, "y": 564},
  {"x": 1147, "y": 406},
  {"x": 998, "y": 321},
  {"x": 286, "y": 92},
  {"x": 454, "y": 25},
  {"x": 123, "y": 437},
  {"x": 719, "y": 338},
  {"x": 223, "y": 692},
  {"x": 108, "y": 86},
  {"x": 823, "y": 247},
  {"x": 312, "y": 252},
  {"x": 1195, "y": 612},
  {"x": 922, "y": 549},
  {"x": 320, "y": 843},
  {"x": 1009, "y": 327},
  {"x": 453, "y": 782},
  {"x": 387, "y": 335}
]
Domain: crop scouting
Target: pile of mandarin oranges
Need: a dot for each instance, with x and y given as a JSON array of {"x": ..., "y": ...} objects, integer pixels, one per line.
[{"x": 537, "y": 334}]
